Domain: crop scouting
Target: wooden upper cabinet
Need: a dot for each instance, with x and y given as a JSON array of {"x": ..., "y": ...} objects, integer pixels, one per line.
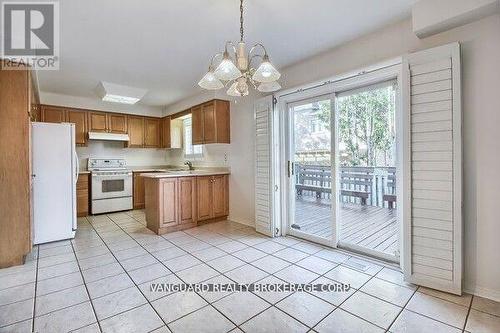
[
  {"x": 165, "y": 132},
  {"x": 98, "y": 122},
  {"x": 152, "y": 132},
  {"x": 209, "y": 126},
  {"x": 210, "y": 122},
  {"x": 79, "y": 118},
  {"x": 135, "y": 131},
  {"x": 53, "y": 114},
  {"x": 107, "y": 122},
  {"x": 117, "y": 123},
  {"x": 197, "y": 125},
  {"x": 187, "y": 200}
]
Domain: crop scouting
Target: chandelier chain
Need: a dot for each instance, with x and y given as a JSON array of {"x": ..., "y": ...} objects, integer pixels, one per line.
[{"x": 241, "y": 20}]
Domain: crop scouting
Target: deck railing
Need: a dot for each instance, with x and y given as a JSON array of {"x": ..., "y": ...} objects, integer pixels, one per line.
[{"x": 375, "y": 186}]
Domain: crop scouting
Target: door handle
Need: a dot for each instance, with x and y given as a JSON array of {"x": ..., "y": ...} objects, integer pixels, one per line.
[{"x": 290, "y": 168}]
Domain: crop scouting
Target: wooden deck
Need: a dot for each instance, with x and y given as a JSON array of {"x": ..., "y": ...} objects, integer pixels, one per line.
[{"x": 368, "y": 226}]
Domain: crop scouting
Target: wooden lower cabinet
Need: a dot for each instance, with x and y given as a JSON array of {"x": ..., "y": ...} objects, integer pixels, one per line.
[
  {"x": 82, "y": 195},
  {"x": 187, "y": 200},
  {"x": 174, "y": 204},
  {"x": 213, "y": 197}
]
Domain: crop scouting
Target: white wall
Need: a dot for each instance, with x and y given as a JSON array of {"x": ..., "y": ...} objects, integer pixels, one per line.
[
  {"x": 133, "y": 156},
  {"x": 481, "y": 79}
]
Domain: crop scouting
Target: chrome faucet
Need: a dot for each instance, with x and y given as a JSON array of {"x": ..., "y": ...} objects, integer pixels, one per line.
[{"x": 189, "y": 164}]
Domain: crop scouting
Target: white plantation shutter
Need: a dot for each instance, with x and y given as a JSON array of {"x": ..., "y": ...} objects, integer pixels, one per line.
[
  {"x": 433, "y": 214},
  {"x": 264, "y": 180}
]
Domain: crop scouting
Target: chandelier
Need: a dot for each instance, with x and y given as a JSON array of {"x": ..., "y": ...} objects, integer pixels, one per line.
[{"x": 236, "y": 71}]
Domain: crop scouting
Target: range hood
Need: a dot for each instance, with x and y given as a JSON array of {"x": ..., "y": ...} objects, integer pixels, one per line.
[{"x": 108, "y": 136}]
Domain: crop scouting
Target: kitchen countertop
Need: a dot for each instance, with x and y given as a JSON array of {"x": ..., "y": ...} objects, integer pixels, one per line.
[
  {"x": 186, "y": 173},
  {"x": 83, "y": 172}
]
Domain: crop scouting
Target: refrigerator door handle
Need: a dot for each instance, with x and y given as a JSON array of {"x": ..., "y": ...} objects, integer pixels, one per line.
[{"x": 77, "y": 171}]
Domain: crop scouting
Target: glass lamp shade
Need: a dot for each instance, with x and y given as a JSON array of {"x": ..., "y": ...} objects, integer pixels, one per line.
[
  {"x": 269, "y": 86},
  {"x": 210, "y": 82},
  {"x": 227, "y": 70},
  {"x": 266, "y": 72},
  {"x": 237, "y": 89}
]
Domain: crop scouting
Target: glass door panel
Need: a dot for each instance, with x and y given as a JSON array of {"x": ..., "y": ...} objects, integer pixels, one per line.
[
  {"x": 367, "y": 170},
  {"x": 310, "y": 170}
]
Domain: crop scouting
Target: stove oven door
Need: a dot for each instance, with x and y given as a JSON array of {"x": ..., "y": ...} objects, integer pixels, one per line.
[{"x": 112, "y": 185}]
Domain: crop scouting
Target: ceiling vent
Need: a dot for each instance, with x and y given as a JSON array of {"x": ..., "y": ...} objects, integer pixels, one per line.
[{"x": 111, "y": 92}]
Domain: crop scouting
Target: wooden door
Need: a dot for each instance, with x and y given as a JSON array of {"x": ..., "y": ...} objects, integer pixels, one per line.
[
  {"x": 222, "y": 121},
  {"x": 165, "y": 137},
  {"x": 53, "y": 114},
  {"x": 219, "y": 195},
  {"x": 187, "y": 200},
  {"x": 135, "y": 131},
  {"x": 97, "y": 122},
  {"x": 197, "y": 125},
  {"x": 79, "y": 118},
  {"x": 117, "y": 123},
  {"x": 169, "y": 202},
  {"x": 138, "y": 186},
  {"x": 204, "y": 197},
  {"x": 152, "y": 133},
  {"x": 209, "y": 130}
]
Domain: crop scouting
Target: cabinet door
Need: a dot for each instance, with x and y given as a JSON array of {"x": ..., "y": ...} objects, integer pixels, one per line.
[
  {"x": 135, "y": 131},
  {"x": 197, "y": 125},
  {"x": 138, "y": 185},
  {"x": 219, "y": 195},
  {"x": 97, "y": 122},
  {"x": 82, "y": 195},
  {"x": 209, "y": 123},
  {"x": 169, "y": 202},
  {"x": 79, "y": 118},
  {"x": 53, "y": 115},
  {"x": 204, "y": 197},
  {"x": 165, "y": 136},
  {"x": 117, "y": 123},
  {"x": 152, "y": 133},
  {"x": 187, "y": 200}
]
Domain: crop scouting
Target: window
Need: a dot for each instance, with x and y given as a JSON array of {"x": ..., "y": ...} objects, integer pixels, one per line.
[{"x": 190, "y": 150}]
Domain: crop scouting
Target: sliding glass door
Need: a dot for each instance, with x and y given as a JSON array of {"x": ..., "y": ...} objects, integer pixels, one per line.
[
  {"x": 309, "y": 163},
  {"x": 342, "y": 166},
  {"x": 367, "y": 169}
]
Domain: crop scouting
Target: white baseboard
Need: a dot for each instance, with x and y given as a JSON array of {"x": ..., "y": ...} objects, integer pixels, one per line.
[
  {"x": 482, "y": 292},
  {"x": 247, "y": 223}
]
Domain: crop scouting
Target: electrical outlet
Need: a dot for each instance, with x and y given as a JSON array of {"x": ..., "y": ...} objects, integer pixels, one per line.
[{"x": 225, "y": 158}]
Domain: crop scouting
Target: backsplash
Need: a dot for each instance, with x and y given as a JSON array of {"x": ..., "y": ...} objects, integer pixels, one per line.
[
  {"x": 214, "y": 155},
  {"x": 133, "y": 156}
]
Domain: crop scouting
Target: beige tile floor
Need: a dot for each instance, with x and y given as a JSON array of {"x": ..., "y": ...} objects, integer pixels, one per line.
[{"x": 100, "y": 282}]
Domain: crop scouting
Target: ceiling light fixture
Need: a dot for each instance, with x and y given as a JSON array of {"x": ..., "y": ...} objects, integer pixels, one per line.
[{"x": 237, "y": 72}]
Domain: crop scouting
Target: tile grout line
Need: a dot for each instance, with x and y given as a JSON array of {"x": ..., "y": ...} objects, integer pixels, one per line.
[
  {"x": 174, "y": 273},
  {"x": 126, "y": 272},
  {"x": 468, "y": 313},
  {"x": 86, "y": 288},
  {"x": 36, "y": 286}
]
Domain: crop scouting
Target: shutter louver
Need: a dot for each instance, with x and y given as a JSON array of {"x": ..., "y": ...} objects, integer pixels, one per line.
[
  {"x": 434, "y": 156},
  {"x": 264, "y": 203}
]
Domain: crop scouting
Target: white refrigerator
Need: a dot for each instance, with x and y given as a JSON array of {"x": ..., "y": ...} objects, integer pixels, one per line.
[{"x": 55, "y": 172}]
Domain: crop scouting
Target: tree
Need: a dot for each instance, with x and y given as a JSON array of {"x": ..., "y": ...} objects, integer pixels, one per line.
[{"x": 365, "y": 125}]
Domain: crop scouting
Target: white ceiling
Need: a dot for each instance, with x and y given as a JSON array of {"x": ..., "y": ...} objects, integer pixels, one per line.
[{"x": 165, "y": 46}]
